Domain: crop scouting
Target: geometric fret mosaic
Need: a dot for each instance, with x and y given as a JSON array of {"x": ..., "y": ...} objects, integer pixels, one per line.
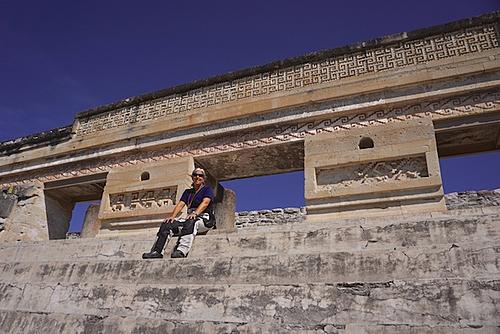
[
  {"x": 398, "y": 55},
  {"x": 456, "y": 106}
]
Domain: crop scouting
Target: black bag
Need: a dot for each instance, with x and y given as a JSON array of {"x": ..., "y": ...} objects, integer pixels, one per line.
[{"x": 210, "y": 223}]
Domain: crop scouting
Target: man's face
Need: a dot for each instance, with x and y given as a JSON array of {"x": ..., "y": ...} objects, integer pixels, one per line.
[{"x": 198, "y": 178}]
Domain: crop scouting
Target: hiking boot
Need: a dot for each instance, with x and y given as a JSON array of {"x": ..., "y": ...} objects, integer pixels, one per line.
[
  {"x": 152, "y": 255},
  {"x": 177, "y": 254}
]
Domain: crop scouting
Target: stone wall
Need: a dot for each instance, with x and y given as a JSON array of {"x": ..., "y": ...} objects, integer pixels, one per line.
[
  {"x": 278, "y": 216},
  {"x": 269, "y": 217},
  {"x": 379, "y": 170},
  {"x": 7, "y": 202},
  {"x": 23, "y": 216},
  {"x": 467, "y": 199},
  {"x": 59, "y": 211},
  {"x": 457, "y": 200}
]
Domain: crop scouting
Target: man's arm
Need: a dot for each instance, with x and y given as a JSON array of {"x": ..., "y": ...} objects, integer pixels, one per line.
[
  {"x": 199, "y": 210},
  {"x": 177, "y": 210}
]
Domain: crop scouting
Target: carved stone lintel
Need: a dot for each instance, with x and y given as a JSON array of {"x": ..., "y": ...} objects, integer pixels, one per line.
[
  {"x": 144, "y": 199},
  {"x": 456, "y": 106},
  {"x": 373, "y": 172},
  {"x": 398, "y": 55}
]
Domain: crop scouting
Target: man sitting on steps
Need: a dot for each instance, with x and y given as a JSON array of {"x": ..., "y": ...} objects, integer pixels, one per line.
[{"x": 199, "y": 200}]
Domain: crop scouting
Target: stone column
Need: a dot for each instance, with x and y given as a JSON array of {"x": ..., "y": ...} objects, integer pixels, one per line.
[
  {"x": 91, "y": 223},
  {"x": 24, "y": 214},
  {"x": 225, "y": 211},
  {"x": 391, "y": 168}
]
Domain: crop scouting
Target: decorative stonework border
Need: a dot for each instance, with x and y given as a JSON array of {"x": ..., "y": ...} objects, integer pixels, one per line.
[
  {"x": 449, "y": 107},
  {"x": 143, "y": 199},
  {"x": 398, "y": 55},
  {"x": 372, "y": 172}
]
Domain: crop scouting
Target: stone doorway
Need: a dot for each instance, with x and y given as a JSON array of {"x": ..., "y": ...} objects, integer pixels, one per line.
[{"x": 61, "y": 197}]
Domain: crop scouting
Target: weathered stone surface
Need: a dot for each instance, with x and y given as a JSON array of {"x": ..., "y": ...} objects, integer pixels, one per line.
[
  {"x": 19, "y": 322},
  {"x": 467, "y": 199},
  {"x": 397, "y": 173},
  {"x": 224, "y": 211},
  {"x": 27, "y": 219},
  {"x": 34, "y": 323},
  {"x": 433, "y": 302},
  {"x": 462, "y": 200},
  {"x": 7, "y": 202},
  {"x": 59, "y": 212},
  {"x": 44, "y": 138},
  {"x": 136, "y": 198},
  {"x": 275, "y": 216},
  {"x": 73, "y": 235},
  {"x": 406, "y": 275},
  {"x": 464, "y": 227},
  {"x": 91, "y": 222},
  {"x": 444, "y": 261}
]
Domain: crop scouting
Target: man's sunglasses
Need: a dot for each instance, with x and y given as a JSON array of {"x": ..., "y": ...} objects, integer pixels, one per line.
[{"x": 200, "y": 175}]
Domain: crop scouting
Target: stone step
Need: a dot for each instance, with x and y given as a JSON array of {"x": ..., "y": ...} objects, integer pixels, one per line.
[
  {"x": 19, "y": 322},
  {"x": 446, "y": 302},
  {"x": 440, "y": 261},
  {"x": 296, "y": 239}
]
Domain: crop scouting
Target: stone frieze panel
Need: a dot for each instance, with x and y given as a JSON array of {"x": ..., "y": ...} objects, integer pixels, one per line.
[
  {"x": 144, "y": 199},
  {"x": 399, "y": 171},
  {"x": 457, "y": 106},
  {"x": 398, "y": 55},
  {"x": 373, "y": 172}
]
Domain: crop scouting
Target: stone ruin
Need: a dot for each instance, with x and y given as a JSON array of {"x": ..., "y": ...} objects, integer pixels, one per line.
[{"x": 375, "y": 250}]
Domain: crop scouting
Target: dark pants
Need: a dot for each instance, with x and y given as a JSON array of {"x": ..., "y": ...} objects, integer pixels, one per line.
[{"x": 186, "y": 229}]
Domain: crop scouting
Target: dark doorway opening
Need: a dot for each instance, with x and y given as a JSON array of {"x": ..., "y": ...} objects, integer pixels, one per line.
[{"x": 62, "y": 196}]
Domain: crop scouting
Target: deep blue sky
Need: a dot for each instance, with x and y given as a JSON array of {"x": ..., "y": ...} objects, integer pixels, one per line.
[{"x": 58, "y": 58}]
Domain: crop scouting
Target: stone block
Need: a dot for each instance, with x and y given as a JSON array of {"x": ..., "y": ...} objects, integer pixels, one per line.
[
  {"x": 225, "y": 211},
  {"x": 27, "y": 220},
  {"x": 73, "y": 235},
  {"x": 91, "y": 222},
  {"x": 427, "y": 302},
  {"x": 390, "y": 168},
  {"x": 366, "y": 265},
  {"x": 422, "y": 230},
  {"x": 291, "y": 210},
  {"x": 59, "y": 211},
  {"x": 7, "y": 202},
  {"x": 138, "y": 198},
  {"x": 468, "y": 199}
]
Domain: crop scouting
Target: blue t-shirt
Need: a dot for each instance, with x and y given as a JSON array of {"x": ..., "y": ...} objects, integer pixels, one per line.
[{"x": 193, "y": 199}]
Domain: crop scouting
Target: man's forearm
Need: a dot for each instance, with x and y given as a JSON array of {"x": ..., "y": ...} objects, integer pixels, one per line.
[
  {"x": 201, "y": 208},
  {"x": 177, "y": 210}
]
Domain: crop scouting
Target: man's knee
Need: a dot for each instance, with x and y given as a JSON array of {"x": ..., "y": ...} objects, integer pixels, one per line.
[
  {"x": 168, "y": 228},
  {"x": 188, "y": 227}
]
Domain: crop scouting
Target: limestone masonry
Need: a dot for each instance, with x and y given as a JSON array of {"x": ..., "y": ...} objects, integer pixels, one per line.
[
  {"x": 277, "y": 216},
  {"x": 378, "y": 247}
]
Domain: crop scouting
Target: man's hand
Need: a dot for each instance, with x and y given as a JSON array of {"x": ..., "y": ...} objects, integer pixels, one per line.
[
  {"x": 192, "y": 215},
  {"x": 168, "y": 221}
]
